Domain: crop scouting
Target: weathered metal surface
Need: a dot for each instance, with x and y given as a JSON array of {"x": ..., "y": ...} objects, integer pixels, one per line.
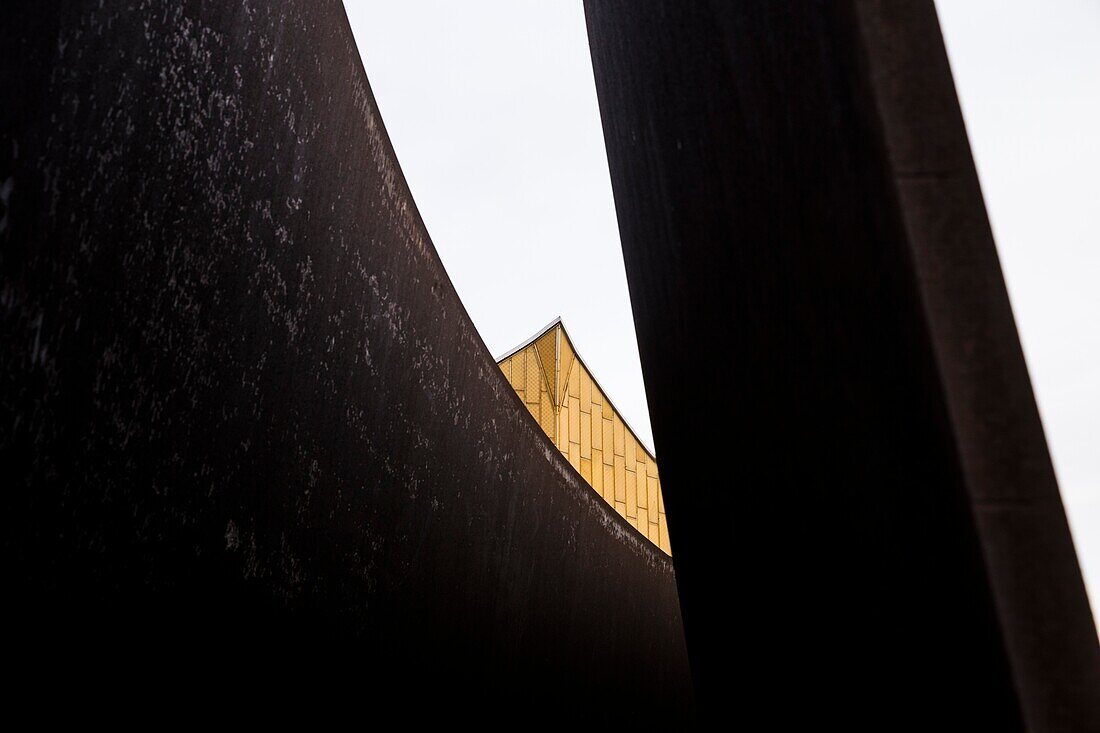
[
  {"x": 1040, "y": 595},
  {"x": 883, "y": 546},
  {"x": 248, "y": 429}
]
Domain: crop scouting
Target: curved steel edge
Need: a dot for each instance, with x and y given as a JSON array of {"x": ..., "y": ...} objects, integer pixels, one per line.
[{"x": 250, "y": 433}]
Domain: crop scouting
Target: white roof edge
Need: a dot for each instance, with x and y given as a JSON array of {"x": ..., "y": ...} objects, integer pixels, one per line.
[
  {"x": 530, "y": 341},
  {"x": 558, "y": 321}
]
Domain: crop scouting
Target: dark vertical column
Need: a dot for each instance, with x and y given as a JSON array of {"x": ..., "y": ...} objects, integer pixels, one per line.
[
  {"x": 1040, "y": 596},
  {"x": 828, "y": 556}
]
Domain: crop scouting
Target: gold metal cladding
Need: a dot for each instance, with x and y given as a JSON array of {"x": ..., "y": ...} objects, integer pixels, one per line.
[{"x": 572, "y": 409}]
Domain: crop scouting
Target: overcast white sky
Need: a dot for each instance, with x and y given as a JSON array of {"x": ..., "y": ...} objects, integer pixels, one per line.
[{"x": 492, "y": 109}]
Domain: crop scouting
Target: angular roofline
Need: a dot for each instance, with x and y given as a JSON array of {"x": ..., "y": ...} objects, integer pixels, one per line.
[
  {"x": 559, "y": 322},
  {"x": 528, "y": 342}
]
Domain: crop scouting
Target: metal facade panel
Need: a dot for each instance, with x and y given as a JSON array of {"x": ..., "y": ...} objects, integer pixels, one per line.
[
  {"x": 580, "y": 420},
  {"x": 586, "y": 435},
  {"x": 597, "y": 427},
  {"x": 532, "y": 373},
  {"x": 620, "y": 482},
  {"x": 563, "y": 429},
  {"x": 566, "y": 359},
  {"x": 547, "y": 412},
  {"x": 608, "y": 438},
  {"x": 516, "y": 375},
  {"x": 631, "y": 493},
  {"x": 574, "y": 419},
  {"x": 545, "y": 347}
]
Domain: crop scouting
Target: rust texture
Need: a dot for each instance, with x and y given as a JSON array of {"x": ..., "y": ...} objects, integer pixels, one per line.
[{"x": 247, "y": 424}]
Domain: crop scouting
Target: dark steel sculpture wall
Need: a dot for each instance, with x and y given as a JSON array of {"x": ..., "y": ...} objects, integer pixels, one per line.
[
  {"x": 884, "y": 545},
  {"x": 249, "y": 432},
  {"x": 1048, "y": 625}
]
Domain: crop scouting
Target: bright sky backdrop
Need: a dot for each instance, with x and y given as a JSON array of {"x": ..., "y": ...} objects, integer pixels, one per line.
[{"x": 492, "y": 109}]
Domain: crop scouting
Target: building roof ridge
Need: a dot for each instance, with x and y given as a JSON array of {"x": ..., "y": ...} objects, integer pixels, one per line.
[
  {"x": 576, "y": 353},
  {"x": 524, "y": 344}
]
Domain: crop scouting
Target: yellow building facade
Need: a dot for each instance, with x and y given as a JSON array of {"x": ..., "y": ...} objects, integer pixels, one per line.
[{"x": 565, "y": 399}]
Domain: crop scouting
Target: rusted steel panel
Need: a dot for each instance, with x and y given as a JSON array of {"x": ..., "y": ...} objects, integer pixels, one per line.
[{"x": 249, "y": 432}]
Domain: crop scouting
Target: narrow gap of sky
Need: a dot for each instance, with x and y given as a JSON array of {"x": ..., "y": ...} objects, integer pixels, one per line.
[
  {"x": 491, "y": 107},
  {"x": 492, "y": 110}
]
